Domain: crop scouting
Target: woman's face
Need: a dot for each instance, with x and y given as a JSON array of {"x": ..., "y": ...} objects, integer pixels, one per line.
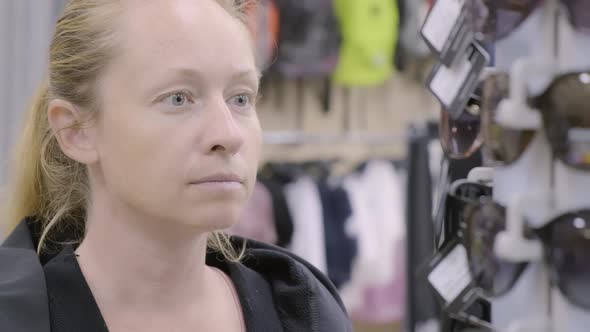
[{"x": 178, "y": 138}]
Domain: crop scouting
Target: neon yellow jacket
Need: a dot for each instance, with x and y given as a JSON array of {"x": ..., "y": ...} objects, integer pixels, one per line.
[{"x": 369, "y": 36}]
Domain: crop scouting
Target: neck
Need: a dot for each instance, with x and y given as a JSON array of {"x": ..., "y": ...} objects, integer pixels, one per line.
[{"x": 131, "y": 261}]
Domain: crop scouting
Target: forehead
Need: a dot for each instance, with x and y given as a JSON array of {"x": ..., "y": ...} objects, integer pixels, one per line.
[{"x": 198, "y": 34}]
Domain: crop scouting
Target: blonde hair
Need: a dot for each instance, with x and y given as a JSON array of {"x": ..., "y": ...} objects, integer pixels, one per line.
[{"x": 45, "y": 183}]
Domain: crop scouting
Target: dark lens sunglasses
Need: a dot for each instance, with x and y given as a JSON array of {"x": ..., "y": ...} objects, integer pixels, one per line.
[
  {"x": 566, "y": 242},
  {"x": 566, "y": 118},
  {"x": 461, "y": 194},
  {"x": 496, "y": 19},
  {"x": 458, "y": 199},
  {"x": 565, "y": 108},
  {"x": 503, "y": 146},
  {"x": 461, "y": 137}
]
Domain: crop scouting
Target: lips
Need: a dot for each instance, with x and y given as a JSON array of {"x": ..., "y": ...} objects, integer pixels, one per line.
[{"x": 219, "y": 178}]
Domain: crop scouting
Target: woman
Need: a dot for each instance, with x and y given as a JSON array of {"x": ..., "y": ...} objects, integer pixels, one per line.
[{"x": 142, "y": 145}]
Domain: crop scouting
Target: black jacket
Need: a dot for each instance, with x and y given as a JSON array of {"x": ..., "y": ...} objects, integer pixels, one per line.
[{"x": 278, "y": 291}]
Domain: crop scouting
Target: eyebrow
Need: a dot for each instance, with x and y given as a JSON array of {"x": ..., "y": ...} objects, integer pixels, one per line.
[{"x": 193, "y": 74}]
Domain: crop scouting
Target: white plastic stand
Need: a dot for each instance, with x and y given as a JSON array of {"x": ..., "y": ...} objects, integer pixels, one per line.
[
  {"x": 529, "y": 297},
  {"x": 525, "y": 187},
  {"x": 483, "y": 175}
]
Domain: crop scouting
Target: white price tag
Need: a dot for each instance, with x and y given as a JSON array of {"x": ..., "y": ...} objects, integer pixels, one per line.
[
  {"x": 451, "y": 276},
  {"x": 447, "y": 81},
  {"x": 439, "y": 24}
]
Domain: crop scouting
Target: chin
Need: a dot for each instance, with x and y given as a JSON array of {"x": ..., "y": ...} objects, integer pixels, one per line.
[{"x": 213, "y": 218}]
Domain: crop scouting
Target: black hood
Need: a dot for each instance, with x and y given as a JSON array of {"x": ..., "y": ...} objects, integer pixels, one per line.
[
  {"x": 279, "y": 290},
  {"x": 23, "y": 294}
]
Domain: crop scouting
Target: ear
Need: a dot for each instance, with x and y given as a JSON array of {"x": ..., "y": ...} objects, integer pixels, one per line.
[{"x": 74, "y": 131}]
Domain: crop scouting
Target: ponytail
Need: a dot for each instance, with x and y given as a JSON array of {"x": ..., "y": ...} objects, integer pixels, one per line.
[
  {"x": 45, "y": 183},
  {"x": 22, "y": 197}
]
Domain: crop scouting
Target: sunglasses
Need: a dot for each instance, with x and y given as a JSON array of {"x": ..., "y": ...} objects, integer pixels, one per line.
[
  {"x": 503, "y": 146},
  {"x": 496, "y": 19},
  {"x": 566, "y": 242},
  {"x": 565, "y": 110},
  {"x": 458, "y": 199},
  {"x": 464, "y": 193},
  {"x": 461, "y": 137},
  {"x": 566, "y": 119}
]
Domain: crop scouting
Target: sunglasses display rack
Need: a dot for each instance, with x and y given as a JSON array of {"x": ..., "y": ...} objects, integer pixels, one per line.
[
  {"x": 513, "y": 185},
  {"x": 538, "y": 187},
  {"x": 525, "y": 239}
]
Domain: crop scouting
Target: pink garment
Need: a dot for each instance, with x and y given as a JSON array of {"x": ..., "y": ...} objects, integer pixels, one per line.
[
  {"x": 375, "y": 293},
  {"x": 386, "y": 304},
  {"x": 257, "y": 220}
]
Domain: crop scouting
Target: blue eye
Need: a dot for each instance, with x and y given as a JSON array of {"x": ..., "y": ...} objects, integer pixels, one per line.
[
  {"x": 178, "y": 99},
  {"x": 241, "y": 100}
]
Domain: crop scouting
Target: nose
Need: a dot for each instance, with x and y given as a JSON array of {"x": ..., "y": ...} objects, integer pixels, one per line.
[{"x": 223, "y": 133}]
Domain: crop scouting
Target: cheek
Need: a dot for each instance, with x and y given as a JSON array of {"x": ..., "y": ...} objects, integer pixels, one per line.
[
  {"x": 134, "y": 153},
  {"x": 253, "y": 142},
  {"x": 252, "y": 151}
]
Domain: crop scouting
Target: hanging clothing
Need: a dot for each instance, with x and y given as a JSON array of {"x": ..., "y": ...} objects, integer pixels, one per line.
[
  {"x": 368, "y": 253},
  {"x": 309, "y": 39},
  {"x": 409, "y": 35},
  {"x": 369, "y": 35},
  {"x": 378, "y": 221},
  {"x": 385, "y": 304},
  {"x": 385, "y": 199},
  {"x": 264, "y": 21},
  {"x": 282, "y": 216},
  {"x": 304, "y": 202},
  {"x": 277, "y": 290},
  {"x": 341, "y": 248},
  {"x": 257, "y": 220}
]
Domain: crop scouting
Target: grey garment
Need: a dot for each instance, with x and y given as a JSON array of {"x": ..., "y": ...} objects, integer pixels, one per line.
[
  {"x": 23, "y": 293},
  {"x": 409, "y": 34}
]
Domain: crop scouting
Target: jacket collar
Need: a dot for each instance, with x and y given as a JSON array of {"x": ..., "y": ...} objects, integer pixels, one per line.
[{"x": 21, "y": 237}]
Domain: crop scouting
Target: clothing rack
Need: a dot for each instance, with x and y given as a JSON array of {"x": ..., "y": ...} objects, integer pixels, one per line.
[
  {"x": 420, "y": 299},
  {"x": 297, "y": 137},
  {"x": 421, "y": 304}
]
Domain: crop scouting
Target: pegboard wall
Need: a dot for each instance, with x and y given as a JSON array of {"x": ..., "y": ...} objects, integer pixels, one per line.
[{"x": 388, "y": 109}]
